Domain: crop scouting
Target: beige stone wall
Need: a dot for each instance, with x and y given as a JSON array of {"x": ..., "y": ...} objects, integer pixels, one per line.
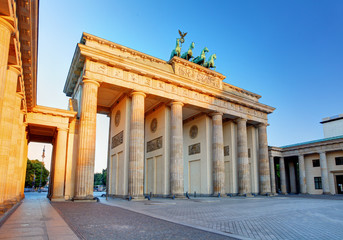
[
  {"x": 119, "y": 156},
  {"x": 312, "y": 172},
  {"x": 333, "y": 169},
  {"x": 198, "y": 167},
  {"x": 157, "y": 165}
]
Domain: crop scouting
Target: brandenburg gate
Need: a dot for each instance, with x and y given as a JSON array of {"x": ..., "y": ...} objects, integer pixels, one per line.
[{"x": 175, "y": 126}]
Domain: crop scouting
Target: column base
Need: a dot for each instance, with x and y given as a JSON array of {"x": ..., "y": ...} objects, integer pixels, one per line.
[
  {"x": 88, "y": 198},
  {"x": 326, "y": 193},
  {"x": 57, "y": 199},
  {"x": 177, "y": 196},
  {"x": 249, "y": 195},
  {"x": 266, "y": 194}
]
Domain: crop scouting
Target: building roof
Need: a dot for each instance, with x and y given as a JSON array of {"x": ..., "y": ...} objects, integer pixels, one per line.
[{"x": 314, "y": 141}]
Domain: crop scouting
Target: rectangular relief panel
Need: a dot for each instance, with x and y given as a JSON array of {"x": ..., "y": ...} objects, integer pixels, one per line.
[
  {"x": 194, "y": 149},
  {"x": 117, "y": 140},
  {"x": 154, "y": 144}
]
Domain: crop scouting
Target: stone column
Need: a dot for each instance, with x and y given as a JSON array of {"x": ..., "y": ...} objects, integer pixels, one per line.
[
  {"x": 272, "y": 175},
  {"x": 218, "y": 154},
  {"x": 264, "y": 170},
  {"x": 283, "y": 176},
  {"x": 136, "y": 161},
  {"x": 324, "y": 171},
  {"x": 244, "y": 182},
  {"x": 60, "y": 164},
  {"x": 5, "y": 36},
  {"x": 302, "y": 175},
  {"x": 86, "y": 157},
  {"x": 176, "y": 150},
  {"x": 6, "y": 127}
]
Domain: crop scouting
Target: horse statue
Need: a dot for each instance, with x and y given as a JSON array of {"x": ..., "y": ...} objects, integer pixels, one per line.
[
  {"x": 177, "y": 50},
  {"x": 189, "y": 54},
  {"x": 210, "y": 62},
  {"x": 201, "y": 59}
]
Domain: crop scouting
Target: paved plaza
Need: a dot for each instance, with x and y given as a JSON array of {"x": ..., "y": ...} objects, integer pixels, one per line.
[
  {"x": 256, "y": 218},
  {"x": 291, "y": 217}
]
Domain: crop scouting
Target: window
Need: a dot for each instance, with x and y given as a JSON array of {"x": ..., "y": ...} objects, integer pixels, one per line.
[
  {"x": 317, "y": 182},
  {"x": 339, "y": 160},
  {"x": 316, "y": 163},
  {"x": 249, "y": 153}
]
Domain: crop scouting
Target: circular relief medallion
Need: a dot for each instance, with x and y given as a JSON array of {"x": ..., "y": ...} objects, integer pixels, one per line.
[
  {"x": 193, "y": 132},
  {"x": 153, "y": 125},
  {"x": 117, "y": 118}
]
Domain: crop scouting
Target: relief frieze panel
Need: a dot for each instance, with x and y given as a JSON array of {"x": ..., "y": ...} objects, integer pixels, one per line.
[
  {"x": 194, "y": 149},
  {"x": 154, "y": 144},
  {"x": 198, "y": 77},
  {"x": 117, "y": 139}
]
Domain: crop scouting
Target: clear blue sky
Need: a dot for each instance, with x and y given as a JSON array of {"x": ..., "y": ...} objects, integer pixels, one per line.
[{"x": 290, "y": 52}]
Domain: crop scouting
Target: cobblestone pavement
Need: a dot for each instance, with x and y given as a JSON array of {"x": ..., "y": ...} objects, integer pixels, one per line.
[
  {"x": 255, "y": 218},
  {"x": 99, "y": 221}
]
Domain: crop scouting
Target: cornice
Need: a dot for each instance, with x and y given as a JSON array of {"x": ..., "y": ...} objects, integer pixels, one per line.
[{"x": 54, "y": 111}]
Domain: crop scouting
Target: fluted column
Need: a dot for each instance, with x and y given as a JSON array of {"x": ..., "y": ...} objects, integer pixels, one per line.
[
  {"x": 86, "y": 157},
  {"x": 218, "y": 153},
  {"x": 302, "y": 176},
  {"x": 5, "y": 35},
  {"x": 6, "y": 128},
  {"x": 243, "y": 160},
  {"x": 324, "y": 171},
  {"x": 136, "y": 162},
  {"x": 264, "y": 170},
  {"x": 176, "y": 150},
  {"x": 272, "y": 175},
  {"x": 60, "y": 164},
  {"x": 283, "y": 176},
  {"x": 16, "y": 146}
]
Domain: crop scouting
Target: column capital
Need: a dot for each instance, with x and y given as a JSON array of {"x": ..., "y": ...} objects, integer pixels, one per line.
[
  {"x": 14, "y": 68},
  {"x": 138, "y": 93},
  {"x": 62, "y": 129},
  {"x": 242, "y": 120},
  {"x": 215, "y": 114},
  {"x": 259, "y": 125},
  {"x": 176, "y": 103},
  {"x": 5, "y": 21},
  {"x": 87, "y": 80}
]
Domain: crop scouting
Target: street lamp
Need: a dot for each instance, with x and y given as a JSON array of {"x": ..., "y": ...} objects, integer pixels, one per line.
[{"x": 41, "y": 171}]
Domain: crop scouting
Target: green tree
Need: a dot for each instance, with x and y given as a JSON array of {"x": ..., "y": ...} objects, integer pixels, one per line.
[
  {"x": 33, "y": 173},
  {"x": 100, "y": 178}
]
